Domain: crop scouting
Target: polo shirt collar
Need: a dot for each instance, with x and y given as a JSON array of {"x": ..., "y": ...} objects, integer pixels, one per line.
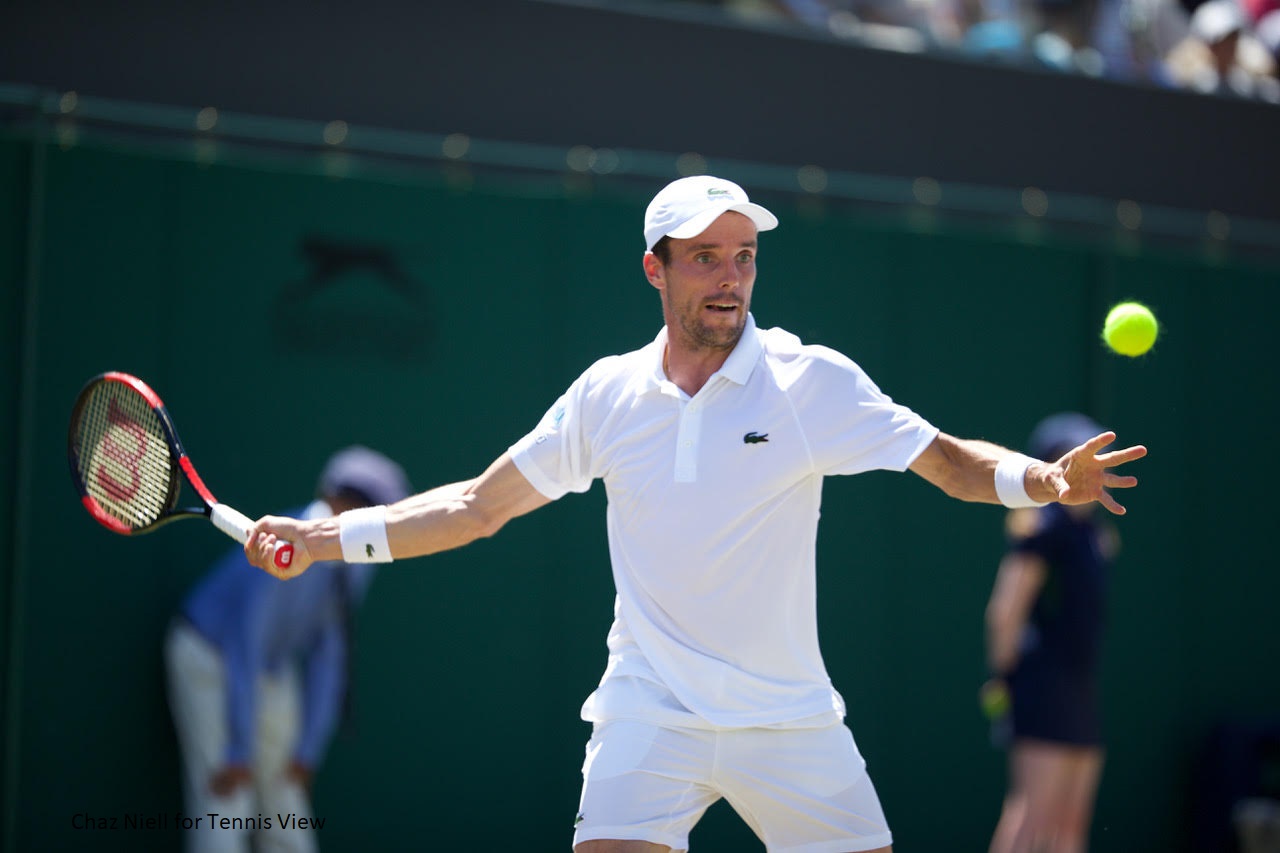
[{"x": 737, "y": 367}]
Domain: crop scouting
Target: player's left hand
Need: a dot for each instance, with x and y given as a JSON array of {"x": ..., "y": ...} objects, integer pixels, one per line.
[{"x": 1083, "y": 476}]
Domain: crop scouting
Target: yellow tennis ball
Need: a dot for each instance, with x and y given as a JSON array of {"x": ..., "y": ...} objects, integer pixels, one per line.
[
  {"x": 994, "y": 698},
  {"x": 1130, "y": 329}
]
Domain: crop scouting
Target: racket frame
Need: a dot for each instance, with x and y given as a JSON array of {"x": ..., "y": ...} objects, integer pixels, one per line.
[
  {"x": 228, "y": 520},
  {"x": 177, "y": 458}
]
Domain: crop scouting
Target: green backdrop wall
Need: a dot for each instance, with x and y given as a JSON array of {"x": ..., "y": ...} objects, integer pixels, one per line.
[{"x": 284, "y": 313}]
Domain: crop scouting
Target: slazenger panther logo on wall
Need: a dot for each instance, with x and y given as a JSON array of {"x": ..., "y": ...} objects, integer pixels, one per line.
[{"x": 365, "y": 295}]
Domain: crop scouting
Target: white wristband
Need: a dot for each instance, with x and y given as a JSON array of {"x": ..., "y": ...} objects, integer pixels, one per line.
[
  {"x": 363, "y": 534},
  {"x": 1011, "y": 473}
]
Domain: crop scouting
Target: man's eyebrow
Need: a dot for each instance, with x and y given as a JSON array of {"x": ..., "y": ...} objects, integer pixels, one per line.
[{"x": 746, "y": 244}]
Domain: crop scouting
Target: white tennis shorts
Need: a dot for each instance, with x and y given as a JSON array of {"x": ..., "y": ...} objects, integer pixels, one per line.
[{"x": 800, "y": 790}]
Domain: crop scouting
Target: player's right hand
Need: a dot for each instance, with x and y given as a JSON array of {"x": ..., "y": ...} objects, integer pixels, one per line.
[{"x": 260, "y": 547}]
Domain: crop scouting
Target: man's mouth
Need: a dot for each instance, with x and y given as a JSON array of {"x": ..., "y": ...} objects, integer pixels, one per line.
[{"x": 723, "y": 306}]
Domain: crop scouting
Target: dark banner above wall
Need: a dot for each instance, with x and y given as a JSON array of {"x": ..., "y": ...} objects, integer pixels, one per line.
[{"x": 574, "y": 75}]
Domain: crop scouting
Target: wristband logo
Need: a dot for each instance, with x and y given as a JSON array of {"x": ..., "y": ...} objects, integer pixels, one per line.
[
  {"x": 754, "y": 438},
  {"x": 368, "y": 549}
]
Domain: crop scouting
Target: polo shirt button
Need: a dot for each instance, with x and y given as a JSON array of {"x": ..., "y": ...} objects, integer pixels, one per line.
[{"x": 688, "y": 444}]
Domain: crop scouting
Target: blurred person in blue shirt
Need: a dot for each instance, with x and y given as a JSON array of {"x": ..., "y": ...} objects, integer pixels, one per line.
[{"x": 257, "y": 676}]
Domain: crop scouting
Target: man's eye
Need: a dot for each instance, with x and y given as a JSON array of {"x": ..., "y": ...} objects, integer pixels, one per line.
[
  {"x": 745, "y": 258},
  {"x": 702, "y": 259}
]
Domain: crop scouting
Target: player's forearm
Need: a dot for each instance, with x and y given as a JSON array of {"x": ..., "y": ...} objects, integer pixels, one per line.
[
  {"x": 963, "y": 468},
  {"x": 444, "y": 518},
  {"x": 966, "y": 469},
  {"x": 439, "y": 520}
]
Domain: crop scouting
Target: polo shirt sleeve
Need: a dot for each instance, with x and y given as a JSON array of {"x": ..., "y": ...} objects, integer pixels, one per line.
[
  {"x": 851, "y": 426},
  {"x": 556, "y": 457}
]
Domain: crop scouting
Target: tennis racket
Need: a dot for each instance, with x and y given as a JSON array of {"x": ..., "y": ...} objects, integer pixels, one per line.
[{"x": 126, "y": 456}]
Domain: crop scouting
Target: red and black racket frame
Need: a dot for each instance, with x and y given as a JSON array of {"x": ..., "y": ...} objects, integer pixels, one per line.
[{"x": 177, "y": 456}]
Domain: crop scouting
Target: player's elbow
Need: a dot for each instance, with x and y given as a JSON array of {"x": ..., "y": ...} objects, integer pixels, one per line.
[
  {"x": 483, "y": 522},
  {"x": 489, "y": 525},
  {"x": 955, "y": 482},
  {"x": 954, "y": 466}
]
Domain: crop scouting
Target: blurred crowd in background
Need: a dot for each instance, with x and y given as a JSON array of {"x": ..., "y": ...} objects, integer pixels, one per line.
[{"x": 1219, "y": 47}]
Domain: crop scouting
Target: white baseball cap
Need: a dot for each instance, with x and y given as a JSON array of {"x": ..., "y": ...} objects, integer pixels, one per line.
[
  {"x": 687, "y": 207},
  {"x": 1214, "y": 20}
]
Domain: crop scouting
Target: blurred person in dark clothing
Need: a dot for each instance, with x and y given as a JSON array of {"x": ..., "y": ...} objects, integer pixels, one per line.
[{"x": 1044, "y": 628}]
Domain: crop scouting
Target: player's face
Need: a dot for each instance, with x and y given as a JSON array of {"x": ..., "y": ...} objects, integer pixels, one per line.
[{"x": 706, "y": 288}]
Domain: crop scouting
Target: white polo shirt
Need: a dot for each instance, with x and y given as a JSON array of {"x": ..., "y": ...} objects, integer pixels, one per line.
[{"x": 713, "y": 505}]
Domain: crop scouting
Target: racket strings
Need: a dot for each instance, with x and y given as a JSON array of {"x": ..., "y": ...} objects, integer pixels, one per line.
[{"x": 123, "y": 457}]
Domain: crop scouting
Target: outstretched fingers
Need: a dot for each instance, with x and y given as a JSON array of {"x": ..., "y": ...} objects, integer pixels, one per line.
[
  {"x": 1119, "y": 481},
  {"x": 1087, "y": 475},
  {"x": 1099, "y": 441},
  {"x": 1111, "y": 503},
  {"x": 1119, "y": 457}
]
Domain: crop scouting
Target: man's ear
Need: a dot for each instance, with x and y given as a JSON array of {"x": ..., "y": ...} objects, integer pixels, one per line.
[{"x": 654, "y": 270}]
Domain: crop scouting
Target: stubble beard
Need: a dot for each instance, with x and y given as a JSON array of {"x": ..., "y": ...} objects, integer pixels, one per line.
[{"x": 708, "y": 339}]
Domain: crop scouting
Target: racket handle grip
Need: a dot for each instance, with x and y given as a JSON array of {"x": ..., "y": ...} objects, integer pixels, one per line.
[{"x": 237, "y": 525}]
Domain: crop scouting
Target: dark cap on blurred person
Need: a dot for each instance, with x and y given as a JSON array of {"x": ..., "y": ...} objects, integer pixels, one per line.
[
  {"x": 1057, "y": 434},
  {"x": 364, "y": 474}
]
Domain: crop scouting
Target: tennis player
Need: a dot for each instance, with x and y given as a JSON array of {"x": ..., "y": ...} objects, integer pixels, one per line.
[{"x": 713, "y": 441}]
